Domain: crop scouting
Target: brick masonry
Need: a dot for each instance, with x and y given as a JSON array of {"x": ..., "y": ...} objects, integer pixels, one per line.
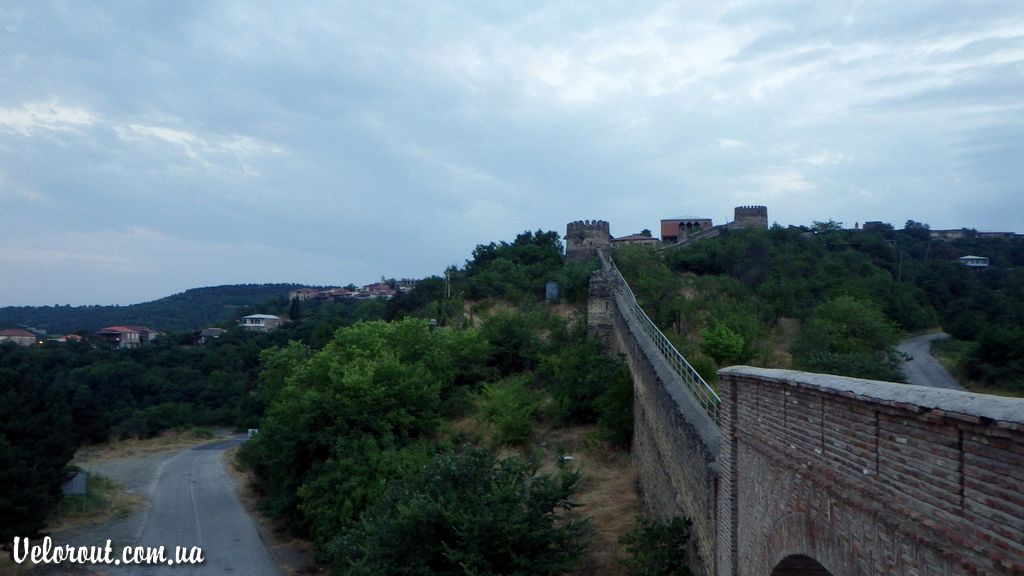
[
  {"x": 819, "y": 474},
  {"x": 868, "y": 477}
]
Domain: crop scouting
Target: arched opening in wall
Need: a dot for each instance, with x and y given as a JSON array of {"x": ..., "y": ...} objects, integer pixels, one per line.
[{"x": 800, "y": 565}]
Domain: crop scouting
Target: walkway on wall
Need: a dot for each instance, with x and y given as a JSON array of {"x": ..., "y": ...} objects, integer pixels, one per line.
[{"x": 702, "y": 393}]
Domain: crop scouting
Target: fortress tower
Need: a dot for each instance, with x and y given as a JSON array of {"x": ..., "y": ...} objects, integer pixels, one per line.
[
  {"x": 584, "y": 238},
  {"x": 750, "y": 217}
]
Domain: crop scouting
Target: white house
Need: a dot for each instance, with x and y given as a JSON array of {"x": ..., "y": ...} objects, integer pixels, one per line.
[
  {"x": 974, "y": 261},
  {"x": 260, "y": 322}
]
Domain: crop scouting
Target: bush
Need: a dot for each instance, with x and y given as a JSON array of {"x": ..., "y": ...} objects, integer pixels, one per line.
[
  {"x": 615, "y": 411},
  {"x": 576, "y": 377},
  {"x": 722, "y": 344},
  {"x": 514, "y": 342},
  {"x": 508, "y": 408},
  {"x": 466, "y": 513},
  {"x": 849, "y": 337},
  {"x": 383, "y": 381},
  {"x": 658, "y": 548}
]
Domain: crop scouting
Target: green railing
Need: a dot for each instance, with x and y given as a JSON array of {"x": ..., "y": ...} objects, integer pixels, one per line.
[{"x": 698, "y": 388}]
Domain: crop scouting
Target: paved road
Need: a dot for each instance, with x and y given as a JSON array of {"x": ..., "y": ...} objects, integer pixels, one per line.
[
  {"x": 192, "y": 503},
  {"x": 923, "y": 369}
]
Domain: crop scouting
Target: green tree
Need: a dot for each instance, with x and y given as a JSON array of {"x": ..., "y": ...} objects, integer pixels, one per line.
[
  {"x": 35, "y": 443},
  {"x": 508, "y": 408},
  {"x": 722, "y": 344},
  {"x": 383, "y": 381},
  {"x": 849, "y": 337},
  {"x": 658, "y": 548},
  {"x": 467, "y": 512}
]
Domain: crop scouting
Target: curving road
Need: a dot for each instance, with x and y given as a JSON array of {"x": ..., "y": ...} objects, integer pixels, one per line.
[
  {"x": 923, "y": 369},
  {"x": 192, "y": 502}
]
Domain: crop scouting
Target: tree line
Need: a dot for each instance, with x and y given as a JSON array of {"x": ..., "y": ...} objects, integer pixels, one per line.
[
  {"x": 357, "y": 447},
  {"x": 849, "y": 294}
]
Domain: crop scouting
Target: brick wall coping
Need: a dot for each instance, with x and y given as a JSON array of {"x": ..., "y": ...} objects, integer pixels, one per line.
[{"x": 1009, "y": 412}]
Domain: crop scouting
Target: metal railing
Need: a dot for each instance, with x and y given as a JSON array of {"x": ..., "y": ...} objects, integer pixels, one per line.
[{"x": 702, "y": 393}]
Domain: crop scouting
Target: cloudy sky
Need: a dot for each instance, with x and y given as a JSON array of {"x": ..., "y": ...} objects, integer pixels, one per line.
[{"x": 151, "y": 147}]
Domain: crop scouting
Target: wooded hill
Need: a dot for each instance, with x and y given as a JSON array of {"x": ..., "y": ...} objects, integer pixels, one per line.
[
  {"x": 827, "y": 299},
  {"x": 189, "y": 310}
]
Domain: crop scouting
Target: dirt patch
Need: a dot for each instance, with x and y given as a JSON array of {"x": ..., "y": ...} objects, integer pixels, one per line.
[
  {"x": 607, "y": 494},
  {"x": 171, "y": 440},
  {"x": 783, "y": 336}
]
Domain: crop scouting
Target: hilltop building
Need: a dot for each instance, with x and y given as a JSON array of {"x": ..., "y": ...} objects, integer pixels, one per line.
[
  {"x": 750, "y": 217},
  {"x": 641, "y": 239},
  {"x": 676, "y": 229},
  {"x": 584, "y": 238},
  {"x": 303, "y": 294}
]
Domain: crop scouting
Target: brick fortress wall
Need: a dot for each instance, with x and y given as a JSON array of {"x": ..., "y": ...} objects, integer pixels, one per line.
[{"x": 868, "y": 477}]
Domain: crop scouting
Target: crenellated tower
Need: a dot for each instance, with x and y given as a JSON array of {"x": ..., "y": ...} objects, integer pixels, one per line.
[
  {"x": 583, "y": 238},
  {"x": 750, "y": 217}
]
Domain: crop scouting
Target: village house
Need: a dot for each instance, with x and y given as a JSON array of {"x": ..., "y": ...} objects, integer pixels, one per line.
[
  {"x": 260, "y": 322},
  {"x": 974, "y": 261},
  {"x": 210, "y": 334},
  {"x": 18, "y": 336},
  {"x": 642, "y": 239},
  {"x": 127, "y": 337}
]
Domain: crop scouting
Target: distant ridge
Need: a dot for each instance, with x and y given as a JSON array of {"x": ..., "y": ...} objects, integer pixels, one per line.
[{"x": 189, "y": 310}]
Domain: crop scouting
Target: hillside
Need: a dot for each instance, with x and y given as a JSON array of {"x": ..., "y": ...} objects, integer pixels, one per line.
[
  {"x": 831, "y": 300},
  {"x": 190, "y": 310}
]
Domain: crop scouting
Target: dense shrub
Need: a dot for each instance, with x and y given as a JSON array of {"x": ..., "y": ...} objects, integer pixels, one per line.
[
  {"x": 658, "y": 548},
  {"x": 466, "y": 512},
  {"x": 508, "y": 408},
  {"x": 375, "y": 388}
]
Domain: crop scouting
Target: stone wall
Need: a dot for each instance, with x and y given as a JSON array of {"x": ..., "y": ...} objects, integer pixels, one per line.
[
  {"x": 750, "y": 217},
  {"x": 868, "y": 477},
  {"x": 585, "y": 238},
  {"x": 675, "y": 443}
]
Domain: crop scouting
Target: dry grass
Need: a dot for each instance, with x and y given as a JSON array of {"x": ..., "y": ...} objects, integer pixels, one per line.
[
  {"x": 132, "y": 447},
  {"x": 783, "y": 336},
  {"x": 105, "y": 501},
  {"x": 607, "y": 494}
]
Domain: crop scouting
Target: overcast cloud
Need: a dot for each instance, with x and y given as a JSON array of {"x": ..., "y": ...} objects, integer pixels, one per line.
[{"x": 150, "y": 147}]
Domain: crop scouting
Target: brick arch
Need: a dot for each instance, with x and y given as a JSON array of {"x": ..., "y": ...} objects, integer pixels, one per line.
[
  {"x": 800, "y": 566},
  {"x": 800, "y": 535}
]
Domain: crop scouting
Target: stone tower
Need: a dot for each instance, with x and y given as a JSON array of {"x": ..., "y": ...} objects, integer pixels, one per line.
[
  {"x": 584, "y": 238},
  {"x": 750, "y": 217}
]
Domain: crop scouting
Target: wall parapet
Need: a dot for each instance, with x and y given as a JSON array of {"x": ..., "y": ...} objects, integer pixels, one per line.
[
  {"x": 694, "y": 383},
  {"x": 868, "y": 477},
  {"x": 1008, "y": 412}
]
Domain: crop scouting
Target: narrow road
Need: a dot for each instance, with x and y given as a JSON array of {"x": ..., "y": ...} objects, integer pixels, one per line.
[
  {"x": 923, "y": 369},
  {"x": 192, "y": 502}
]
